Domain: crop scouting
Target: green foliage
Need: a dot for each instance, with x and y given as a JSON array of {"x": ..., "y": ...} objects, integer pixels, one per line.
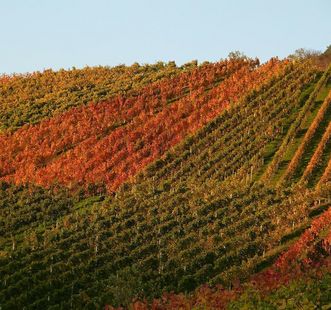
[{"x": 123, "y": 287}]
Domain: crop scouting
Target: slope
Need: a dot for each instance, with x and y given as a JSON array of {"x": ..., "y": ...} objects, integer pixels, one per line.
[
  {"x": 30, "y": 98},
  {"x": 298, "y": 165},
  {"x": 192, "y": 216},
  {"x": 280, "y": 167},
  {"x": 108, "y": 147}
]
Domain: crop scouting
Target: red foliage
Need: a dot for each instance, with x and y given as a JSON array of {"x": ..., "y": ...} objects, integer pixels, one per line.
[
  {"x": 305, "y": 242},
  {"x": 303, "y": 254},
  {"x": 111, "y": 141}
]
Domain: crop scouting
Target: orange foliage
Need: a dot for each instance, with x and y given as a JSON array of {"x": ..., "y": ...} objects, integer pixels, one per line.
[{"x": 111, "y": 141}]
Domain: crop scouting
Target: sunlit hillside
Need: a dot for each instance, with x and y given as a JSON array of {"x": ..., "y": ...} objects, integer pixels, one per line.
[{"x": 201, "y": 186}]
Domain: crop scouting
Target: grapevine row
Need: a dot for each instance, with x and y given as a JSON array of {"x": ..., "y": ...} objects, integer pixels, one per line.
[
  {"x": 156, "y": 229},
  {"x": 307, "y": 138},
  {"x": 326, "y": 177},
  {"x": 273, "y": 166},
  {"x": 114, "y": 159},
  {"x": 316, "y": 158},
  {"x": 60, "y": 134},
  {"x": 30, "y": 98}
]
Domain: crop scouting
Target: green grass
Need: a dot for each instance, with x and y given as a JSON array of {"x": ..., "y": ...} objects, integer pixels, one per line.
[
  {"x": 317, "y": 173},
  {"x": 295, "y": 143},
  {"x": 272, "y": 147}
]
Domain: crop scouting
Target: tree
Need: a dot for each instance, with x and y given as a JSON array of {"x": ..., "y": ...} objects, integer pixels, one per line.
[
  {"x": 303, "y": 53},
  {"x": 327, "y": 52},
  {"x": 236, "y": 55}
]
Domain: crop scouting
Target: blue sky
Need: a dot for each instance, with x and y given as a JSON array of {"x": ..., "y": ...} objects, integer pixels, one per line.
[{"x": 39, "y": 34}]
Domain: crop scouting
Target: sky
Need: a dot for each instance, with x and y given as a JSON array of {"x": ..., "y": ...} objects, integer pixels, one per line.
[{"x": 41, "y": 34}]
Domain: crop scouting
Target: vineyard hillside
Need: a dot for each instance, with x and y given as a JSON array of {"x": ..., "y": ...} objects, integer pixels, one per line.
[{"x": 202, "y": 186}]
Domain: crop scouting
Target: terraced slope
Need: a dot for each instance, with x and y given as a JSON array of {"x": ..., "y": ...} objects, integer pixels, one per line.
[{"x": 193, "y": 216}]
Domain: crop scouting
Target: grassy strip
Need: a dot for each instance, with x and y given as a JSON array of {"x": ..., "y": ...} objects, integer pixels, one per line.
[
  {"x": 274, "y": 165},
  {"x": 306, "y": 140}
]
